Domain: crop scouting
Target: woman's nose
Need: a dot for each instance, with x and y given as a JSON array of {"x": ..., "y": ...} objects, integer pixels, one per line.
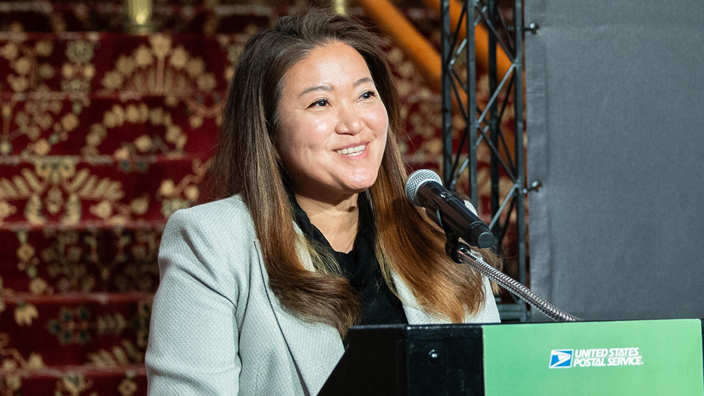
[{"x": 349, "y": 121}]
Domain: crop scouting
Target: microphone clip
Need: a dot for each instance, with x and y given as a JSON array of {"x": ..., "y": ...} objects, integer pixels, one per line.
[
  {"x": 452, "y": 243},
  {"x": 452, "y": 247}
]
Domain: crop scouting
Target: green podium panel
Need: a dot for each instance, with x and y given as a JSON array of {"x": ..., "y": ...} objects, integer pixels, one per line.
[{"x": 654, "y": 357}]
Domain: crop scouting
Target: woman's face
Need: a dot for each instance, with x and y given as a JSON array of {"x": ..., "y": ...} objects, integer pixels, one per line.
[{"x": 333, "y": 124}]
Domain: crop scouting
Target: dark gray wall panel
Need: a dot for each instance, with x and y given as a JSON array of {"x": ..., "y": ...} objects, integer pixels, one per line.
[{"x": 615, "y": 112}]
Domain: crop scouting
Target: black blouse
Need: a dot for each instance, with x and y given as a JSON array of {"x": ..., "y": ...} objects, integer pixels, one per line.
[{"x": 379, "y": 305}]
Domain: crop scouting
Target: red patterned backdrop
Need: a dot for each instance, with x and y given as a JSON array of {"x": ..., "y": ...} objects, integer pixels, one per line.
[{"x": 104, "y": 135}]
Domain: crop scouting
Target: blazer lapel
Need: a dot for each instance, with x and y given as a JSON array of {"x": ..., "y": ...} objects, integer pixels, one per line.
[
  {"x": 315, "y": 347},
  {"x": 414, "y": 313}
]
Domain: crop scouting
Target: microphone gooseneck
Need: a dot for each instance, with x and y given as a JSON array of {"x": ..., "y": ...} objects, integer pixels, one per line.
[
  {"x": 465, "y": 255},
  {"x": 424, "y": 188}
]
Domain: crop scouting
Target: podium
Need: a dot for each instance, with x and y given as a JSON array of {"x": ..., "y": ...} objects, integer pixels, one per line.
[{"x": 640, "y": 357}]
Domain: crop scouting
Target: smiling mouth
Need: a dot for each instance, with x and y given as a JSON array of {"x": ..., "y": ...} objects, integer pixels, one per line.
[{"x": 352, "y": 151}]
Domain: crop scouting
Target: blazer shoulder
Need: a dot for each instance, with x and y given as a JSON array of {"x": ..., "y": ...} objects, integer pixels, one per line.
[
  {"x": 220, "y": 217},
  {"x": 217, "y": 237}
]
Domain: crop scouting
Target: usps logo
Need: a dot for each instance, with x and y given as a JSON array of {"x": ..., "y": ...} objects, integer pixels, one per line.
[{"x": 561, "y": 358}]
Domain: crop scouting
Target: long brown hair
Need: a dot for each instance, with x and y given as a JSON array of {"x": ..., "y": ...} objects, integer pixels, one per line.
[{"x": 407, "y": 243}]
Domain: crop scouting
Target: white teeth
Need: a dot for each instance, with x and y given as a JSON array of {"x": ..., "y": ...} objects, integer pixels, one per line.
[{"x": 354, "y": 151}]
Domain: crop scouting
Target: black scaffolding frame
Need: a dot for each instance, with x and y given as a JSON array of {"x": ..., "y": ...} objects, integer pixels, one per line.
[{"x": 483, "y": 126}]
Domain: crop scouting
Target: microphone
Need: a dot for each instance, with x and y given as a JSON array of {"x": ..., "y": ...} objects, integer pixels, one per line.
[{"x": 424, "y": 188}]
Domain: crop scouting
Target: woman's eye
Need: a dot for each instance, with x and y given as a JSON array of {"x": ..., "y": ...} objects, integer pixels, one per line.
[
  {"x": 319, "y": 103},
  {"x": 368, "y": 94}
]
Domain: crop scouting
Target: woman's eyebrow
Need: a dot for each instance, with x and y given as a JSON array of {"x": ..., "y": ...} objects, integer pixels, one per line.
[
  {"x": 363, "y": 80},
  {"x": 315, "y": 88},
  {"x": 329, "y": 88}
]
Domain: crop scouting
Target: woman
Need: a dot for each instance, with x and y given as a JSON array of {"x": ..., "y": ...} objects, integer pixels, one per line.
[{"x": 312, "y": 233}]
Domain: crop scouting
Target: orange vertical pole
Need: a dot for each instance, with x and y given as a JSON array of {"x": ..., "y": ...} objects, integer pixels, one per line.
[{"x": 411, "y": 42}]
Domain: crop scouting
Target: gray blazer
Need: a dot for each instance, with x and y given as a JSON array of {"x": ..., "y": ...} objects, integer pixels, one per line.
[{"x": 217, "y": 328}]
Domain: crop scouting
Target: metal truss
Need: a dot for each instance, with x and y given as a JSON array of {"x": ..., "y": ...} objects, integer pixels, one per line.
[{"x": 482, "y": 126}]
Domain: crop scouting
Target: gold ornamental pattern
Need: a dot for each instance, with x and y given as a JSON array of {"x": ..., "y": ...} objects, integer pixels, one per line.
[
  {"x": 160, "y": 69},
  {"x": 55, "y": 185}
]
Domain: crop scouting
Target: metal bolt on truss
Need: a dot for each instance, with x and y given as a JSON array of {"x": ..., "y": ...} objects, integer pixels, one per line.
[{"x": 483, "y": 126}]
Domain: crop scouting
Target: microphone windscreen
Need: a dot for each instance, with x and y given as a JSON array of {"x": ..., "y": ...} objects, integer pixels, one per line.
[{"x": 418, "y": 178}]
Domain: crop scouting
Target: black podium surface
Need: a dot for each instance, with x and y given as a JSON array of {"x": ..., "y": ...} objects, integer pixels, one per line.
[{"x": 410, "y": 360}]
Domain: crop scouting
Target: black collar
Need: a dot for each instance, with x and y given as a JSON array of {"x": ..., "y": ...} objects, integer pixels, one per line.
[{"x": 366, "y": 223}]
